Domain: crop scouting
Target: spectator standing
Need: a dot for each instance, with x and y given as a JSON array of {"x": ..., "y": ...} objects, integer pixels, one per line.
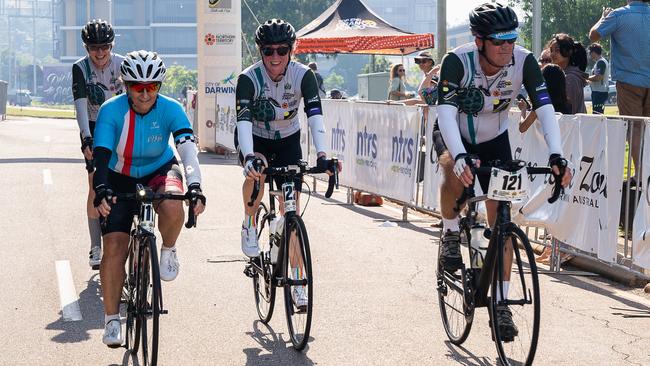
[
  {"x": 628, "y": 28},
  {"x": 545, "y": 58},
  {"x": 397, "y": 88},
  {"x": 598, "y": 79},
  {"x": 556, "y": 86},
  {"x": 319, "y": 79},
  {"x": 571, "y": 56}
]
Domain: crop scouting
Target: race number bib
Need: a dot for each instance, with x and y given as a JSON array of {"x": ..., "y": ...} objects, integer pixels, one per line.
[{"x": 508, "y": 186}]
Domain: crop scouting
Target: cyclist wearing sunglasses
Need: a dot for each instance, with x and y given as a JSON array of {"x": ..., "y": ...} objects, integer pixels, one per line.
[
  {"x": 132, "y": 147},
  {"x": 479, "y": 82},
  {"x": 95, "y": 79},
  {"x": 268, "y": 97}
]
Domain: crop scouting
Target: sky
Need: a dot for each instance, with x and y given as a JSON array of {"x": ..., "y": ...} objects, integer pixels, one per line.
[{"x": 458, "y": 10}]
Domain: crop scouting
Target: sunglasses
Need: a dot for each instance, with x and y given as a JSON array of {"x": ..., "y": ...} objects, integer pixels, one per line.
[
  {"x": 421, "y": 61},
  {"x": 281, "y": 51},
  {"x": 95, "y": 48},
  {"x": 500, "y": 42},
  {"x": 141, "y": 87},
  {"x": 400, "y": 70}
]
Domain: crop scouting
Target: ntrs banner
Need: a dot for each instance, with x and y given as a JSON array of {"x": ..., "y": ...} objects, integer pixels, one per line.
[
  {"x": 219, "y": 62},
  {"x": 385, "y": 142},
  {"x": 641, "y": 224},
  {"x": 586, "y": 215},
  {"x": 432, "y": 170}
]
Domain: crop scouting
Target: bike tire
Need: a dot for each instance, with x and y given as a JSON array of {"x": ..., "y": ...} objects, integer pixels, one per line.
[
  {"x": 132, "y": 326},
  {"x": 298, "y": 317},
  {"x": 263, "y": 287},
  {"x": 150, "y": 307},
  {"x": 457, "y": 316},
  {"x": 523, "y": 288}
]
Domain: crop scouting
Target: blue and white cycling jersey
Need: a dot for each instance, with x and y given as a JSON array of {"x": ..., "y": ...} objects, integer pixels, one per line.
[{"x": 140, "y": 144}]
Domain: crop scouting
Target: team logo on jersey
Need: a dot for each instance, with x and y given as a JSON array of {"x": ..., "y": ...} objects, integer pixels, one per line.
[
  {"x": 285, "y": 105},
  {"x": 496, "y": 93},
  {"x": 499, "y": 105},
  {"x": 504, "y": 84},
  {"x": 96, "y": 93},
  {"x": 287, "y": 86}
]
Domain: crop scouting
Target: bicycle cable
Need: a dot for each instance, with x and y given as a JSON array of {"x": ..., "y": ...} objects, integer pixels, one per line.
[{"x": 308, "y": 197}]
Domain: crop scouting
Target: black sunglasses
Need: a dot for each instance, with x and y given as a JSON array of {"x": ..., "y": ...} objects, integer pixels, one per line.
[
  {"x": 421, "y": 60},
  {"x": 281, "y": 51},
  {"x": 95, "y": 48},
  {"x": 500, "y": 42}
]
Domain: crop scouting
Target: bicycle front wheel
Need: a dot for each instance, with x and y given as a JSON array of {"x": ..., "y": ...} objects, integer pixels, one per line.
[
  {"x": 130, "y": 293},
  {"x": 516, "y": 344},
  {"x": 298, "y": 284},
  {"x": 262, "y": 284},
  {"x": 150, "y": 291},
  {"x": 457, "y": 316}
]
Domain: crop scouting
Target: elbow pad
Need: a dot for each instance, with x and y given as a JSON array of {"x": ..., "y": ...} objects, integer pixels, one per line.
[
  {"x": 449, "y": 129},
  {"x": 188, "y": 152},
  {"x": 552, "y": 135},
  {"x": 245, "y": 137},
  {"x": 317, "y": 129},
  {"x": 81, "y": 108}
]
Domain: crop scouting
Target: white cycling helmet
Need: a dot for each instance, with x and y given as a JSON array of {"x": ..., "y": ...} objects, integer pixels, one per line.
[{"x": 143, "y": 67}]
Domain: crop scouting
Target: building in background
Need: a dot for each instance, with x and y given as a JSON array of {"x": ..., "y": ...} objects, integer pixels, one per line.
[
  {"x": 165, "y": 26},
  {"x": 458, "y": 35},
  {"x": 417, "y": 16}
]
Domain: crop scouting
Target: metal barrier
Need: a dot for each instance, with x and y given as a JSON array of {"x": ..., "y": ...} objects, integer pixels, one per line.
[{"x": 3, "y": 99}]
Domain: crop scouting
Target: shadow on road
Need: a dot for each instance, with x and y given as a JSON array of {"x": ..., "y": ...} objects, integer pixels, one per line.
[
  {"x": 92, "y": 311},
  {"x": 281, "y": 352},
  {"x": 465, "y": 357}
]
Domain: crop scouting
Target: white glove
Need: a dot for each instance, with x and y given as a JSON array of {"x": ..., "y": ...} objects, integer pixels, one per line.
[
  {"x": 249, "y": 166},
  {"x": 459, "y": 166}
]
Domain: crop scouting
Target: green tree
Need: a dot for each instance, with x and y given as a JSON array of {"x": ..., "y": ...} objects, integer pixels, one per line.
[
  {"x": 178, "y": 77},
  {"x": 574, "y": 17},
  {"x": 333, "y": 81},
  {"x": 381, "y": 65},
  {"x": 296, "y": 12}
]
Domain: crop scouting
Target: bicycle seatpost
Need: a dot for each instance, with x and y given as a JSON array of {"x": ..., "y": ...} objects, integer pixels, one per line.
[{"x": 258, "y": 165}]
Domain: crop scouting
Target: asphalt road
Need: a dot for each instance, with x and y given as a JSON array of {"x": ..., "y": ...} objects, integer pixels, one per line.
[{"x": 375, "y": 297}]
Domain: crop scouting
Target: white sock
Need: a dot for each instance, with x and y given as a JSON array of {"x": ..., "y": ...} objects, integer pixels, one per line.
[
  {"x": 108, "y": 318},
  {"x": 451, "y": 225},
  {"x": 505, "y": 285},
  {"x": 168, "y": 248}
]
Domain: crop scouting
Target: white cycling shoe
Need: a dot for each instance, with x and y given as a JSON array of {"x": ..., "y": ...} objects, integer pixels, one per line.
[
  {"x": 249, "y": 244},
  {"x": 113, "y": 334},
  {"x": 299, "y": 296},
  {"x": 169, "y": 265}
]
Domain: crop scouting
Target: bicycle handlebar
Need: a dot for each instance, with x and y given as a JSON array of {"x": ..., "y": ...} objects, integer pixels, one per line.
[
  {"x": 512, "y": 165},
  {"x": 293, "y": 170},
  {"x": 144, "y": 194}
]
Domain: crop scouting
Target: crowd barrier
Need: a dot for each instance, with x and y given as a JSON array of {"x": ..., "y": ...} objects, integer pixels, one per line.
[{"x": 380, "y": 147}]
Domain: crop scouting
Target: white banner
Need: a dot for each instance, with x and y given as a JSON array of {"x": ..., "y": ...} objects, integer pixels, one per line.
[
  {"x": 432, "y": 170},
  {"x": 385, "y": 143},
  {"x": 641, "y": 224},
  {"x": 586, "y": 216},
  {"x": 218, "y": 29}
]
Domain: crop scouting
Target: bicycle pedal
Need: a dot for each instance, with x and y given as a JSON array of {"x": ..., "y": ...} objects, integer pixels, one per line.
[
  {"x": 163, "y": 311},
  {"x": 95, "y": 268},
  {"x": 248, "y": 271}
]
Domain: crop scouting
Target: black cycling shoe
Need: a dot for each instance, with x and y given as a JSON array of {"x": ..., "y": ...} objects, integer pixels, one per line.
[
  {"x": 507, "y": 328},
  {"x": 450, "y": 256}
]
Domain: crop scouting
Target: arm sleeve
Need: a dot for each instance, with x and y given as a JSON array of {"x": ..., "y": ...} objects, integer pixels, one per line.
[
  {"x": 309, "y": 90},
  {"x": 535, "y": 84},
  {"x": 552, "y": 135},
  {"x": 448, "y": 124},
  {"x": 451, "y": 75},
  {"x": 101, "y": 157},
  {"x": 80, "y": 100},
  {"x": 185, "y": 142},
  {"x": 244, "y": 94}
]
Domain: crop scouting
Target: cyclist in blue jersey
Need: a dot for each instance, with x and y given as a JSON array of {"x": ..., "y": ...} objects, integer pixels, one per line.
[
  {"x": 95, "y": 79},
  {"x": 132, "y": 147}
]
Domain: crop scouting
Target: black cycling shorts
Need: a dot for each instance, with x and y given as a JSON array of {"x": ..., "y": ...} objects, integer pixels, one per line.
[
  {"x": 495, "y": 149},
  {"x": 90, "y": 166},
  {"x": 122, "y": 212},
  {"x": 278, "y": 153}
]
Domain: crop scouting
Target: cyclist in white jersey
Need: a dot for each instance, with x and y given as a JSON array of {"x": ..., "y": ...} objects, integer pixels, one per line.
[
  {"x": 95, "y": 79},
  {"x": 479, "y": 81},
  {"x": 268, "y": 97}
]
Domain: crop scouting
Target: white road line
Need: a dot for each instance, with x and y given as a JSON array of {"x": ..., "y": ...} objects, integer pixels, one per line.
[
  {"x": 67, "y": 292},
  {"x": 47, "y": 177},
  {"x": 47, "y": 139}
]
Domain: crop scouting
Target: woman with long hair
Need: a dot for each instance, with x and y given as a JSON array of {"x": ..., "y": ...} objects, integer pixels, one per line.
[
  {"x": 556, "y": 87},
  {"x": 396, "y": 86},
  {"x": 571, "y": 56}
]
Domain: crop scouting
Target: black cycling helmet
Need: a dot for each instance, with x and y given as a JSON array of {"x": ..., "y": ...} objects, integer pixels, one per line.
[
  {"x": 493, "y": 18},
  {"x": 97, "y": 31},
  {"x": 275, "y": 31}
]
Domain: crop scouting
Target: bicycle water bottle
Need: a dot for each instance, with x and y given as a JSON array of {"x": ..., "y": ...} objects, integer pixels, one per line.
[
  {"x": 480, "y": 241},
  {"x": 276, "y": 227}
]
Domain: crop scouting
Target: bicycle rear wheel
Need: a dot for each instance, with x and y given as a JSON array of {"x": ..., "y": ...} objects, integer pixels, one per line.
[
  {"x": 523, "y": 301},
  {"x": 262, "y": 284},
  {"x": 150, "y": 292},
  {"x": 457, "y": 316},
  {"x": 298, "y": 286}
]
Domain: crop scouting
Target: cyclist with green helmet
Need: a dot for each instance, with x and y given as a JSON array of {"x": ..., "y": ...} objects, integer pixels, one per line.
[
  {"x": 95, "y": 79},
  {"x": 479, "y": 82}
]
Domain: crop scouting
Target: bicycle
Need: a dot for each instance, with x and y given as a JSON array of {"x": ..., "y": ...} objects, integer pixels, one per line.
[
  {"x": 462, "y": 291},
  {"x": 285, "y": 258},
  {"x": 142, "y": 292}
]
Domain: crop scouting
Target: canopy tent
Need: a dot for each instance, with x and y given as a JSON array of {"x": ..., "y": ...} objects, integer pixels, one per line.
[{"x": 348, "y": 26}]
